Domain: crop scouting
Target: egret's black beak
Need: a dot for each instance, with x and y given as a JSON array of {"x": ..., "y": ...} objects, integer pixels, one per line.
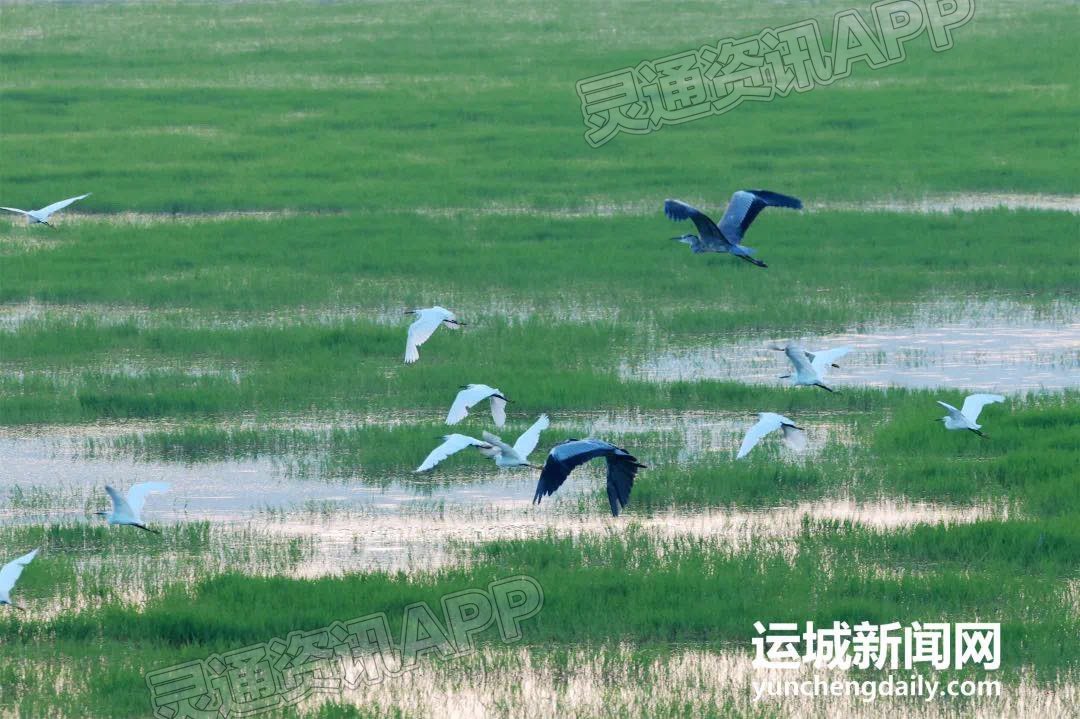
[
  {"x": 410, "y": 312},
  {"x": 504, "y": 399}
]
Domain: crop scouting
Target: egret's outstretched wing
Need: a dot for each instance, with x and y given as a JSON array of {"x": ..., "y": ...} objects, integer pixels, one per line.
[
  {"x": 56, "y": 206},
  {"x": 498, "y": 409},
  {"x": 419, "y": 332},
  {"x": 121, "y": 508},
  {"x": 452, "y": 443},
  {"x": 974, "y": 404},
  {"x": 797, "y": 355},
  {"x": 622, "y": 467},
  {"x": 679, "y": 210},
  {"x": 16, "y": 209},
  {"x": 466, "y": 398},
  {"x": 11, "y": 571},
  {"x": 528, "y": 440},
  {"x": 136, "y": 496},
  {"x": 768, "y": 422},
  {"x": 745, "y": 206},
  {"x": 496, "y": 441},
  {"x": 824, "y": 359},
  {"x": 953, "y": 411}
]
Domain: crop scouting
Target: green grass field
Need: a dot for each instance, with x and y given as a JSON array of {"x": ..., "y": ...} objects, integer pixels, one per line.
[{"x": 274, "y": 183}]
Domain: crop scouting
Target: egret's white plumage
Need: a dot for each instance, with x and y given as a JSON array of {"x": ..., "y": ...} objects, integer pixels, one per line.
[
  {"x": 968, "y": 417},
  {"x": 810, "y": 368},
  {"x": 472, "y": 394},
  {"x": 129, "y": 511},
  {"x": 427, "y": 321},
  {"x": 10, "y": 574},
  {"x": 42, "y": 216},
  {"x": 492, "y": 446},
  {"x": 794, "y": 437}
]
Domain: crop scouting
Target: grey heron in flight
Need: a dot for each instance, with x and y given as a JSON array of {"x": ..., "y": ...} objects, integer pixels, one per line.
[
  {"x": 968, "y": 417},
  {"x": 10, "y": 574},
  {"x": 794, "y": 436},
  {"x": 42, "y": 216},
  {"x": 742, "y": 209},
  {"x": 427, "y": 321},
  {"x": 810, "y": 368},
  {"x": 565, "y": 456},
  {"x": 470, "y": 395},
  {"x": 492, "y": 446},
  {"x": 129, "y": 511}
]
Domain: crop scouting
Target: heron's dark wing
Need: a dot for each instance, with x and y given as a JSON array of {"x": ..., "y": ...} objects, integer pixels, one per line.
[
  {"x": 679, "y": 210},
  {"x": 621, "y": 470},
  {"x": 746, "y": 205},
  {"x": 563, "y": 458}
]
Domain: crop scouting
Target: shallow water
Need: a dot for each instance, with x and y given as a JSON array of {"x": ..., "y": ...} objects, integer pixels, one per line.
[
  {"x": 688, "y": 681},
  {"x": 963, "y": 354}
]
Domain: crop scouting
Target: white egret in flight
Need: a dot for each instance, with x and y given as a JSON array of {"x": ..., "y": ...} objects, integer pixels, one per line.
[
  {"x": 810, "y": 369},
  {"x": 968, "y": 417},
  {"x": 742, "y": 209},
  {"x": 129, "y": 511},
  {"x": 794, "y": 436},
  {"x": 10, "y": 574},
  {"x": 565, "y": 456},
  {"x": 42, "y": 216},
  {"x": 427, "y": 321},
  {"x": 470, "y": 395},
  {"x": 492, "y": 446}
]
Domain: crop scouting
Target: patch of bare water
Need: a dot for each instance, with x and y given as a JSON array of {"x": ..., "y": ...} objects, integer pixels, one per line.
[{"x": 1001, "y": 351}]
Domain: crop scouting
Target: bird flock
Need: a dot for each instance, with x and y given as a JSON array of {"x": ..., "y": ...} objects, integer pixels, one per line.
[{"x": 809, "y": 369}]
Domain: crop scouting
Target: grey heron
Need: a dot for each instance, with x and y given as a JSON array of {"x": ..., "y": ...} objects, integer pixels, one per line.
[
  {"x": 810, "y": 368},
  {"x": 794, "y": 436},
  {"x": 622, "y": 467},
  {"x": 492, "y": 446},
  {"x": 427, "y": 321},
  {"x": 9, "y": 574},
  {"x": 42, "y": 216},
  {"x": 742, "y": 209},
  {"x": 968, "y": 417},
  {"x": 129, "y": 511},
  {"x": 470, "y": 395}
]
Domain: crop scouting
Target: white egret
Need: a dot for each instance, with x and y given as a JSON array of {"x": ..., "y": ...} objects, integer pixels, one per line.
[
  {"x": 10, "y": 574},
  {"x": 42, "y": 216},
  {"x": 794, "y": 436},
  {"x": 129, "y": 511},
  {"x": 810, "y": 369},
  {"x": 968, "y": 417},
  {"x": 428, "y": 320},
  {"x": 742, "y": 209},
  {"x": 470, "y": 395},
  {"x": 622, "y": 467},
  {"x": 491, "y": 446}
]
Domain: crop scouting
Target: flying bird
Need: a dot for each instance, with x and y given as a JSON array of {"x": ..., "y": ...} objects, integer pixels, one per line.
[
  {"x": 470, "y": 395},
  {"x": 10, "y": 574},
  {"x": 794, "y": 436},
  {"x": 42, "y": 216},
  {"x": 810, "y": 368},
  {"x": 742, "y": 209},
  {"x": 968, "y": 417},
  {"x": 427, "y": 321},
  {"x": 129, "y": 511},
  {"x": 565, "y": 456},
  {"x": 491, "y": 446}
]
